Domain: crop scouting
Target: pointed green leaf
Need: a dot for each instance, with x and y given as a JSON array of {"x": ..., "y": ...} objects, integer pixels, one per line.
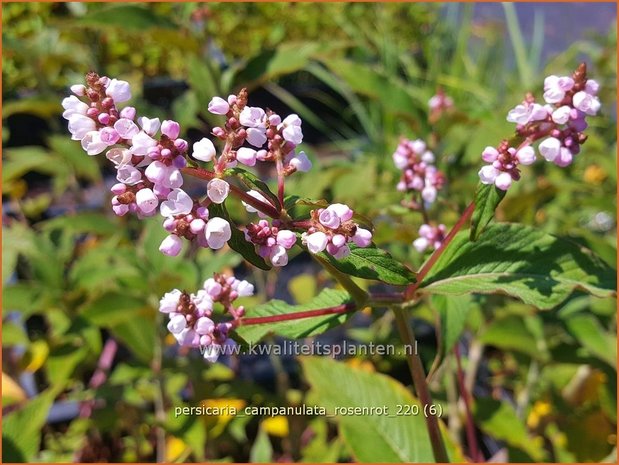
[
  {"x": 372, "y": 263},
  {"x": 398, "y": 436},
  {"x": 487, "y": 198},
  {"x": 520, "y": 261}
]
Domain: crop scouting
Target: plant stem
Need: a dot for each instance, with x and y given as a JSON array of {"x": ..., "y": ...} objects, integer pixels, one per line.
[
  {"x": 259, "y": 205},
  {"x": 427, "y": 266},
  {"x": 280, "y": 180},
  {"x": 471, "y": 437},
  {"x": 260, "y": 320},
  {"x": 421, "y": 386}
]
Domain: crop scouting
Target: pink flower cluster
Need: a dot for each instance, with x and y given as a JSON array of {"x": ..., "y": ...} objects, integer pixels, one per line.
[
  {"x": 332, "y": 229},
  {"x": 439, "y": 104},
  {"x": 430, "y": 237},
  {"x": 148, "y": 165},
  {"x": 273, "y": 243},
  {"x": 418, "y": 171},
  {"x": 560, "y": 122},
  {"x": 190, "y": 314}
]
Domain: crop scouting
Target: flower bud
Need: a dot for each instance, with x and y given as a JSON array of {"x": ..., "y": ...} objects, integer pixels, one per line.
[
  {"x": 203, "y": 150},
  {"x": 170, "y": 128},
  {"x": 171, "y": 245},
  {"x": 218, "y": 106},
  {"x": 217, "y": 232}
]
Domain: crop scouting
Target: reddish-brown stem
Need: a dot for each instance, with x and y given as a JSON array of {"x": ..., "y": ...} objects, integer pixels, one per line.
[
  {"x": 427, "y": 266},
  {"x": 280, "y": 180},
  {"x": 474, "y": 452},
  {"x": 261, "y": 206},
  {"x": 344, "y": 308}
]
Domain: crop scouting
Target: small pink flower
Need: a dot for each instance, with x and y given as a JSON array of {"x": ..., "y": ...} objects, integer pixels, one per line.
[
  {"x": 343, "y": 212},
  {"x": 217, "y": 190},
  {"x": 490, "y": 154},
  {"x": 256, "y": 136},
  {"x": 126, "y": 128},
  {"x": 146, "y": 200},
  {"x": 362, "y": 237},
  {"x": 278, "y": 255},
  {"x": 561, "y": 115},
  {"x": 329, "y": 219},
  {"x": 178, "y": 203},
  {"x": 286, "y": 238},
  {"x": 171, "y": 245},
  {"x": 128, "y": 174},
  {"x": 300, "y": 162},
  {"x": 128, "y": 113},
  {"x": 316, "y": 242},
  {"x": 217, "y": 232},
  {"x": 292, "y": 129},
  {"x": 93, "y": 144},
  {"x": 141, "y": 143},
  {"x": 526, "y": 155},
  {"x": 203, "y": 150},
  {"x": 564, "y": 158},
  {"x": 503, "y": 181},
  {"x": 487, "y": 174},
  {"x": 586, "y": 103},
  {"x": 109, "y": 136},
  {"x": 549, "y": 148},
  {"x": 119, "y": 90},
  {"x": 149, "y": 125},
  {"x": 80, "y": 125},
  {"x": 218, "y": 106},
  {"x": 169, "y": 302},
  {"x": 246, "y": 156},
  {"x": 73, "y": 106},
  {"x": 170, "y": 128},
  {"x": 253, "y": 117}
]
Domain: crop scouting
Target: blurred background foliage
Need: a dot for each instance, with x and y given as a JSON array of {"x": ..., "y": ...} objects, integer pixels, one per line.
[{"x": 78, "y": 280}]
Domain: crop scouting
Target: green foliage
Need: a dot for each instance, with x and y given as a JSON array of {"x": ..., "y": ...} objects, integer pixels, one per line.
[
  {"x": 520, "y": 261},
  {"x": 372, "y": 263},
  {"x": 360, "y": 76}
]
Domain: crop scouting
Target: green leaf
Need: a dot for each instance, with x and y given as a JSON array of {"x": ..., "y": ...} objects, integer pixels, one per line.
[
  {"x": 453, "y": 312},
  {"x": 21, "y": 429},
  {"x": 511, "y": 333},
  {"x": 112, "y": 309},
  {"x": 285, "y": 59},
  {"x": 372, "y": 263},
  {"x": 370, "y": 437},
  {"x": 62, "y": 361},
  {"x": 238, "y": 242},
  {"x": 138, "y": 334},
  {"x": 520, "y": 261},
  {"x": 499, "y": 420},
  {"x": 261, "y": 450},
  {"x": 487, "y": 198},
  {"x": 80, "y": 223},
  {"x": 592, "y": 336},
  {"x": 295, "y": 329},
  {"x": 128, "y": 17},
  {"x": 253, "y": 182}
]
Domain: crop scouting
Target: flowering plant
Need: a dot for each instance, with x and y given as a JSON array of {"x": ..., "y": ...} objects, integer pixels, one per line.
[{"x": 152, "y": 161}]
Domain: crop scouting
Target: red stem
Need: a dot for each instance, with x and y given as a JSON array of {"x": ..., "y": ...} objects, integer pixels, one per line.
[
  {"x": 263, "y": 207},
  {"x": 344, "y": 308},
  {"x": 427, "y": 266},
  {"x": 470, "y": 426}
]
